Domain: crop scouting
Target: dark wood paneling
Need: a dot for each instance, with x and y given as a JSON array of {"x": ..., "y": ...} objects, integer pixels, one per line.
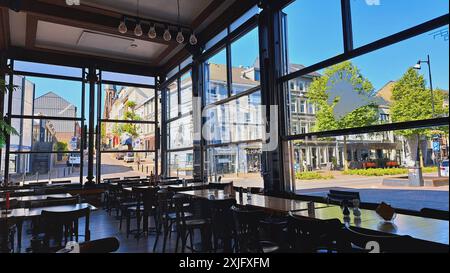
[
  {"x": 4, "y": 29},
  {"x": 30, "y": 39}
]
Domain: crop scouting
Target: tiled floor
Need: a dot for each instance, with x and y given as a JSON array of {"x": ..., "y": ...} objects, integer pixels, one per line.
[{"x": 104, "y": 225}]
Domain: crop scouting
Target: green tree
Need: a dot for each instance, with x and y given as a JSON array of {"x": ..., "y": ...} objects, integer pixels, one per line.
[
  {"x": 411, "y": 100},
  {"x": 130, "y": 114},
  {"x": 321, "y": 90},
  {"x": 5, "y": 128}
]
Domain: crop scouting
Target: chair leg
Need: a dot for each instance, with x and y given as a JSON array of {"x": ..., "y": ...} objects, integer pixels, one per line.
[
  {"x": 120, "y": 221},
  {"x": 128, "y": 223},
  {"x": 191, "y": 238}
]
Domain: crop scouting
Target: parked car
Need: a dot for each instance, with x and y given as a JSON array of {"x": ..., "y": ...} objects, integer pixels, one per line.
[
  {"x": 444, "y": 168},
  {"x": 73, "y": 160},
  {"x": 129, "y": 157}
]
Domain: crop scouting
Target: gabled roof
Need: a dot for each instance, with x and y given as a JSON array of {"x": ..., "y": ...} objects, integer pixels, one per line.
[{"x": 52, "y": 94}]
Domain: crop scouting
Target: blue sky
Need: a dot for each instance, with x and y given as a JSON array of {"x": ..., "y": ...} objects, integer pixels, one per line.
[{"x": 314, "y": 34}]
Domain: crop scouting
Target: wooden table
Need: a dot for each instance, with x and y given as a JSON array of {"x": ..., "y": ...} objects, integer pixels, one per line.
[
  {"x": 267, "y": 203},
  {"x": 21, "y": 214},
  {"x": 28, "y": 198},
  {"x": 426, "y": 229}
]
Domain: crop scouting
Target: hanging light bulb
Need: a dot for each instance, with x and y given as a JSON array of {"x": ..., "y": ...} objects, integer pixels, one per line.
[
  {"x": 193, "y": 39},
  {"x": 167, "y": 36},
  {"x": 152, "y": 32},
  {"x": 180, "y": 37},
  {"x": 138, "y": 30},
  {"x": 123, "y": 27}
]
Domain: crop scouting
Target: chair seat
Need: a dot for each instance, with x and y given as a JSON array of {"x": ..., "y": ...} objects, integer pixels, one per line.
[
  {"x": 269, "y": 247},
  {"x": 128, "y": 204},
  {"x": 197, "y": 222},
  {"x": 135, "y": 208},
  {"x": 173, "y": 215}
]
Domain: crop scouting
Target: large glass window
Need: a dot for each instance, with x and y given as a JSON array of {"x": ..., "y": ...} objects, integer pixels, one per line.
[
  {"x": 47, "y": 115},
  {"x": 245, "y": 63},
  {"x": 216, "y": 78},
  {"x": 128, "y": 128},
  {"x": 372, "y": 89},
  {"x": 364, "y": 123},
  {"x": 376, "y": 166},
  {"x": 234, "y": 128},
  {"x": 375, "y": 19},
  {"x": 180, "y": 127},
  {"x": 314, "y": 32}
]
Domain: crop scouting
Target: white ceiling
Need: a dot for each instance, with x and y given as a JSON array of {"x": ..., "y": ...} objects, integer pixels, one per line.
[
  {"x": 163, "y": 10},
  {"x": 67, "y": 38}
]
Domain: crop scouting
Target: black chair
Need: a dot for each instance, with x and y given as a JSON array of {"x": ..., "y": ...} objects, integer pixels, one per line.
[
  {"x": 222, "y": 223},
  {"x": 13, "y": 203},
  {"x": 8, "y": 229},
  {"x": 307, "y": 235},
  {"x": 228, "y": 186},
  {"x": 335, "y": 196},
  {"x": 367, "y": 241},
  {"x": 145, "y": 207},
  {"x": 166, "y": 216},
  {"x": 247, "y": 224},
  {"x": 186, "y": 224},
  {"x": 435, "y": 214},
  {"x": 63, "y": 226},
  {"x": 59, "y": 182}
]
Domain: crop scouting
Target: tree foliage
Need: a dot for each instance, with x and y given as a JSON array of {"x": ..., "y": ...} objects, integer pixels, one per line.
[
  {"x": 5, "y": 128},
  {"x": 411, "y": 100}
]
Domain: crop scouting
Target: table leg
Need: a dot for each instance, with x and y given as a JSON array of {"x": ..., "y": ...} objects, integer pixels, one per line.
[{"x": 19, "y": 233}]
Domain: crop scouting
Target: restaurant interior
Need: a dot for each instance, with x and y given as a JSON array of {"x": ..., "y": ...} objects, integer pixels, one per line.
[{"x": 176, "y": 126}]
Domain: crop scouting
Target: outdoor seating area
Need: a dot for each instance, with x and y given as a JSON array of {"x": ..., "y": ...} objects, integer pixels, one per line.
[{"x": 224, "y": 127}]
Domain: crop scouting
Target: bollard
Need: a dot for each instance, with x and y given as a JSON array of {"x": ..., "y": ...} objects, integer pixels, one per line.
[{"x": 146, "y": 167}]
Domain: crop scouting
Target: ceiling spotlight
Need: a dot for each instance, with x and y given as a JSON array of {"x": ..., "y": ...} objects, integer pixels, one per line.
[
  {"x": 167, "y": 36},
  {"x": 152, "y": 32},
  {"x": 138, "y": 30},
  {"x": 123, "y": 27},
  {"x": 180, "y": 37},
  {"x": 193, "y": 39}
]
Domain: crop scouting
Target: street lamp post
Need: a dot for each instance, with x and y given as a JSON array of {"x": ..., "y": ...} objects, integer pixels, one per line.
[{"x": 418, "y": 66}]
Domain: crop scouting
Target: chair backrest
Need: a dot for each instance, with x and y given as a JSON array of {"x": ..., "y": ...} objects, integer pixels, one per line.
[
  {"x": 146, "y": 197},
  {"x": 255, "y": 190},
  {"x": 343, "y": 196},
  {"x": 105, "y": 245},
  {"x": 221, "y": 215},
  {"x": 179, "y": 201},
  {"x": 61, "y": 182},
  {"x": 61, "y": 225},
  {"x": 228, "y": 186},
  {"x": 307, "y": 234},
  {"x": 131, "y": 177},
  {"x": 13, "y": 203},
  {"x": 376, "y": 242},
  {"x": 246, "y": 224},
  {"x": 434, "y": 213},
  {"x": 109, "y": 180}
]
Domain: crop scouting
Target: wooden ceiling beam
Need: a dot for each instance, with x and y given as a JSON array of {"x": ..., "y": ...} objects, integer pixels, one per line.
[
  {"x": 78, "y": 60},
  {"x": 30, "y": 38},
  {"x": 5, "y": 40}
]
